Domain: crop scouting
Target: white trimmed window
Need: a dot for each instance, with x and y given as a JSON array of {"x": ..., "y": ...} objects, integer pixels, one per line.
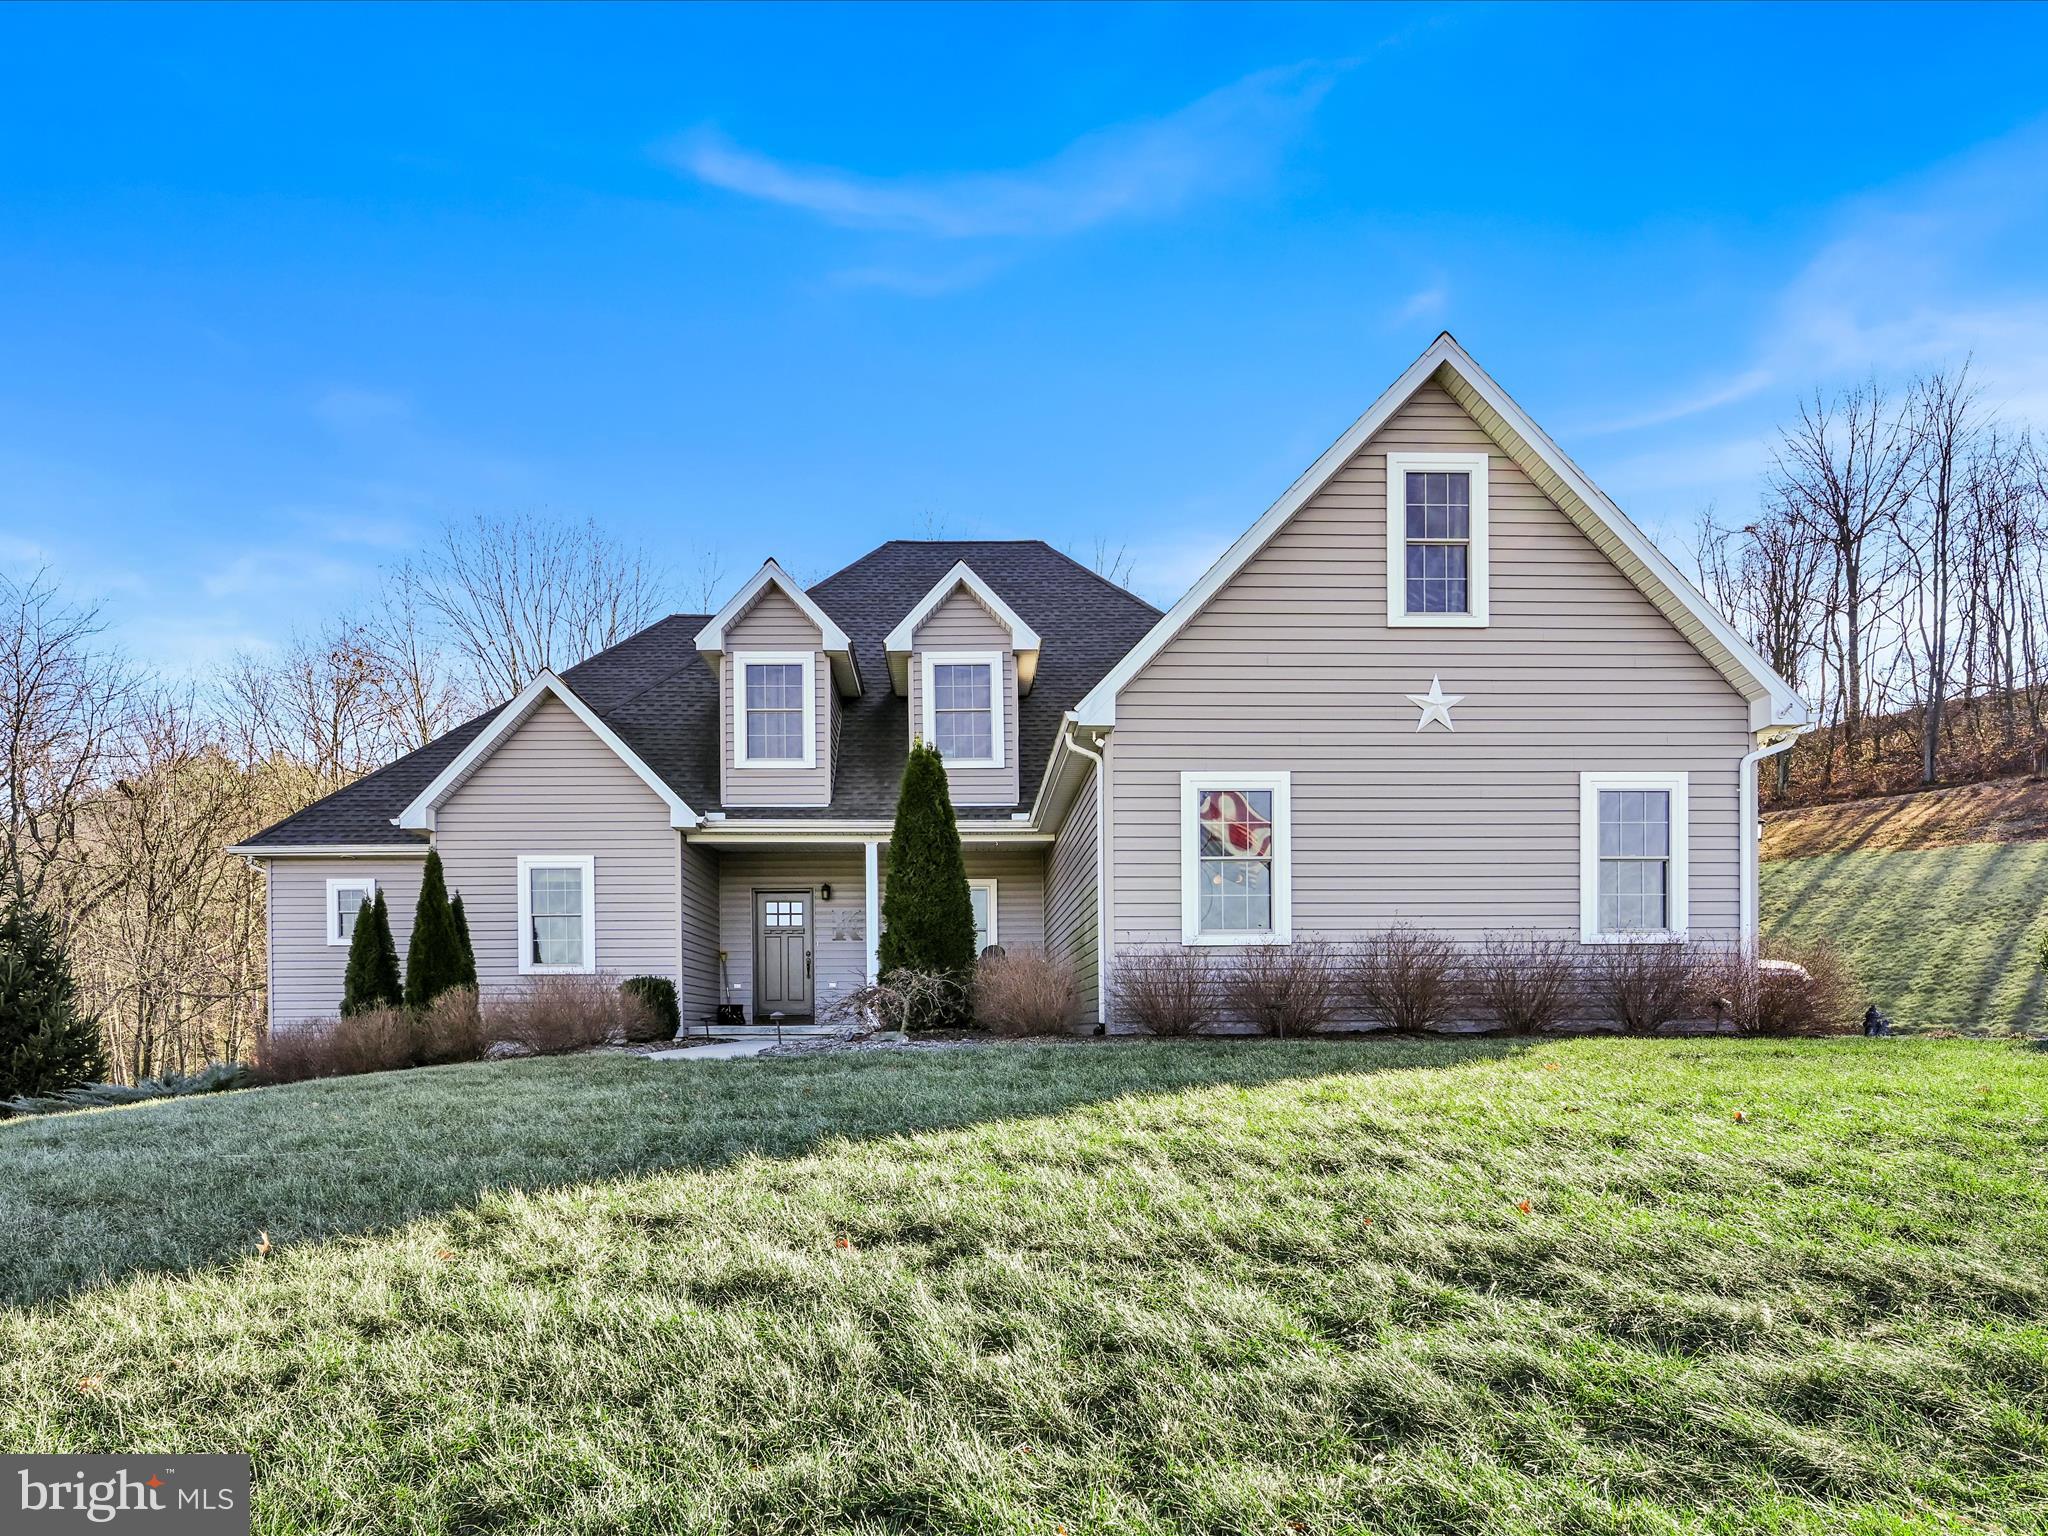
[
  {"x": 1436, "y": 540},
  {"x": 774, "y": 709},
  {"x": 963, "y": 706},
  {"x": 1632, "y": 856},
  {"x": 1236, "y": 872},
  {"x": 557, "y": 914},
  {"x": 983, "y": 894},
  {"x": 345, "y": 899}
]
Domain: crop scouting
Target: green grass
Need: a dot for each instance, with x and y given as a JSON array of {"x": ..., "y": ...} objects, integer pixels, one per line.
[
  {"x": 1942, "y": 938},
  {"x": 1216, "y": 1287}
]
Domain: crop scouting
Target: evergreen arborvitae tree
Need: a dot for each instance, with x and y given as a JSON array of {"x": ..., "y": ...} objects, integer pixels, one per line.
[
  {"x": 371, "y": 980},
  {"x": 46, "y": 1044},
  {"x": 927, "y": 914},
  {"x": 433, "y": 957},
  {"x": 462, "y": 933}
]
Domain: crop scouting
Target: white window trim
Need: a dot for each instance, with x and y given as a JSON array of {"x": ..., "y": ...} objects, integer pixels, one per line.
[
  {"x": 1678, "y": 786},
  {"x": 998, "y": 685},
  {"x": 1399, "y": 467},
  {"x": 529, "y": 862},
  {"x": 990, "y": 887},
  {"x": 741, "y": 660},
  {"x": 1192, "y": 786},
  {"x": 362, "y": 883}
]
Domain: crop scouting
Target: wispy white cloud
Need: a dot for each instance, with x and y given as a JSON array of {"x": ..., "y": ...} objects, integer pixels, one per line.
[
  {"x": 1225, "y": 139},
  {"x": 1426, "y": 303},
  {"x": 1910, "y": 277},
  {"x": 281, "y": 570}
]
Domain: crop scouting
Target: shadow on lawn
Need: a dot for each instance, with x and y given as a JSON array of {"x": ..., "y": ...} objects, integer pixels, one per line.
[{"x": 91, "y": 1199}]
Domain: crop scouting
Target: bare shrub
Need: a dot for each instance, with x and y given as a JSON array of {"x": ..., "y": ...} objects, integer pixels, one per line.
[
  {"x": 451, "y": 1028},
  {"x": 1171, "y": 990},
  {"x": 1286, "y": 989},
  {"x": 550, "y": 1014},
  {"x": 1025, "y": 991},
  {"x": 380, "y": 1040},
  {"x": 1807, "y": 990},
  {"x": 1406, "y": 978},
  {"x": 1643, "y": 984},
  {"x": 906, "y": 999},
  {"x": 1527, "y": 981}
]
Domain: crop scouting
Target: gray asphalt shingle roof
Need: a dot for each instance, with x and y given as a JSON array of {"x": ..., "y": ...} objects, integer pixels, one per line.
[{"x": 661, "y": 697}]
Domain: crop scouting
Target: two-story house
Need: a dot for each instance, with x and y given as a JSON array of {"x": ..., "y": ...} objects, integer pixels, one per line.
[{"x": 1443, "y": 680}]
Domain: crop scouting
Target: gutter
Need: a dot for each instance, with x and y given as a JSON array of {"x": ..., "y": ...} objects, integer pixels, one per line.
[
  {"x": 1093, "y": 754},
  {"x": 1751, "y": 814}
]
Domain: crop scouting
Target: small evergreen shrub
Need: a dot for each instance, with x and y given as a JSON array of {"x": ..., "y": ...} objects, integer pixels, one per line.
[
  {"x": 371, "y": 980},
  {"x": 462, "y": 937},
  {"x": 434, "y": 956},
  {"x": 1405, "y": 978},
  {"x": 46, "y": 1044},
  {"x": 1285, "y": 989},
  {"x": 1527, "y": 982},
  {"x": 656, "y": 996},
  {"x": 1025, "y": 991},
  {"x": 927, "y": 912},
  {"x": 1170, "y": 990}
]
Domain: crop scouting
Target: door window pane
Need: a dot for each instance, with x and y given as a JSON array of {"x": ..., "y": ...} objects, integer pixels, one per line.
[{"x": 980, "y": 895}]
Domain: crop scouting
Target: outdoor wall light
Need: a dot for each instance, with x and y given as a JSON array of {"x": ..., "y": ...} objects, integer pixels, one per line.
[{"x": 825, "y": 891}]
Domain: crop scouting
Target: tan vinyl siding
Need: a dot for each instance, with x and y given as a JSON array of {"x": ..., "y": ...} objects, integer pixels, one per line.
[
  {"x": 1071, "y": 912},
  {"x": 960, "y": 623},
  {"x": 305, "y": 970},
  {"x": 699, "y": 984},
  {"x": 775, "y": 623},
  {"x": 1292, "y": 666},
  {"x": 1019, "y": 874},
  {"x": 553, "y": 788}
]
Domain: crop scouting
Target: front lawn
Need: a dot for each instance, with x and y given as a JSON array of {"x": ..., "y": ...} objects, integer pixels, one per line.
[{"x": 1575, "y": 1286}]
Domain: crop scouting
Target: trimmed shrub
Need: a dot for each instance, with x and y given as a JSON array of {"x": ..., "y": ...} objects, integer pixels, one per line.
[
  {"x": 1802, "y": 991},
  {"x": 1025, "y": 991},
  {"x": 371, "y": 980},
  {"x": 462, "y": 938},
  {"x": 1642, "y": 985},
  {"x": 434, "y": 955},
  {"x": 927, "y": 913},
  {"x": 376, "y": 1040},
  {"x": 656, "y": 995},
  {"x": 46, "y": 1043},
  {"x": 1286, "y": 989},
  {"x": 1528, "y": 982},
  {"x": 450, "y": 1028},
  {"x": 1172, "y": 990},
  {"x": 550, "y": 1014},
  {"x": 1405, "y": 978}
]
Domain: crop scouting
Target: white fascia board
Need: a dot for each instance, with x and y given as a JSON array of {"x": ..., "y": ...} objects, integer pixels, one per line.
[
  {"x": 1024, "y": 639},
  {"x": 832, "y": 639},
  {"x": 420, "y": 814},
  {"x": 1778, "y": 699},
  {"x": 409, "y": 850}
]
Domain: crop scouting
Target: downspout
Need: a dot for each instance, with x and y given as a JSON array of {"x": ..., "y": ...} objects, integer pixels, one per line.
[
  {"x": 1752, "y": 818},
  {"x": 1067, "y": 739}
]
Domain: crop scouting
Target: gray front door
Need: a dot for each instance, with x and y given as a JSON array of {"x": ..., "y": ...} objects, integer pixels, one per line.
[{"x": 782, "y": 953}]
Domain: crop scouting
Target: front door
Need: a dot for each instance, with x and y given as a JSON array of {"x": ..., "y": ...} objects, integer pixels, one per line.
[{"x": 782, "y": 953}]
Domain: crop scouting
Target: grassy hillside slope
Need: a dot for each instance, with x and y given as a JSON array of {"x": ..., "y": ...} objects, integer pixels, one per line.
[
  {"x": 1593, "y": 1286},
  {"x": 1939, "y": 900}
]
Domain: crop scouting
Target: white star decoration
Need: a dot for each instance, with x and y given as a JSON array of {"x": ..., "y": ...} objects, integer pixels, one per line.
[{"x": 1435, "y": 704}]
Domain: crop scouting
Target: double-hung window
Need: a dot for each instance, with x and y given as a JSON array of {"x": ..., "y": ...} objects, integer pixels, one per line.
[
  {"x": 1235, "y": 858},
  {"x": 1632, "y": 856},
  {"x": 963, "y": 707},
  {"x": 345, "y": 899},
  {"x": 1437, "y": 539},
  {"x": 774, "y": 709},
  {"x": 557, "y": 913}
]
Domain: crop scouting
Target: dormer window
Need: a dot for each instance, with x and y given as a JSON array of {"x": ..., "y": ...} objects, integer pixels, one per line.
[
  {"x": 963, "y": 707},
  {"x": 774, "y": 709},
  {"x": 1436, "y": 540}
]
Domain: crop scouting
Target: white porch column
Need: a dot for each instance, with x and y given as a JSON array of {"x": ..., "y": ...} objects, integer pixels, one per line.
[{"x": 874, "y": 923}]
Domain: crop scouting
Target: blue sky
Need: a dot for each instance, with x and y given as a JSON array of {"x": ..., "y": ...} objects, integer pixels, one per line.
[{"x": 280, "y": 289}]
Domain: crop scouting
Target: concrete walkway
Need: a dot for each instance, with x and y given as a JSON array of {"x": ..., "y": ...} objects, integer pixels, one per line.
[{"x": 715, "y": 1050}]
